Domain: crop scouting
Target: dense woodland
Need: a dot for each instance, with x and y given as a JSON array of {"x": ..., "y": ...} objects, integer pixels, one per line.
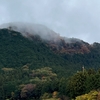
[
  {"x": 30, "y": 70},
  {"x": 44, "y": 84}
]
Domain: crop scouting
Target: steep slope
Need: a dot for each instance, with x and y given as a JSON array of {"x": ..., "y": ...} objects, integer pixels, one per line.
[
  {"x": 64, "y": 55},
  {"x": 56, "y": 42},
  {"x": 17, "y": 51}
]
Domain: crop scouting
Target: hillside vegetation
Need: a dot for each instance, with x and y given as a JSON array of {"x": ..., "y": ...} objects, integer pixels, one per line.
[
  {"x": 17, "y": 51},
  {"x": 35, "y": 69},
  {"x": 43, "y": 84}
]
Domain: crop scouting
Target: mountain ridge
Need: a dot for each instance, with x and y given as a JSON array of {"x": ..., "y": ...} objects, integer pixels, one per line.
[
  {"x": 56, "y": 42},
  {"x": 17, "y": 50}
]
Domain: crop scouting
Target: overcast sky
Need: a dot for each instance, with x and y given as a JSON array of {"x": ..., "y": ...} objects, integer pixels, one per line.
[{"x": 70, "y": 18}]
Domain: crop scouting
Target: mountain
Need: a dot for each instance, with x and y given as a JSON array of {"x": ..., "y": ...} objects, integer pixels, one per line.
[
  {"x": 56, "y": 42},
  {"x": 17, "y": 51},
  {"x": 37, "y": 46}
]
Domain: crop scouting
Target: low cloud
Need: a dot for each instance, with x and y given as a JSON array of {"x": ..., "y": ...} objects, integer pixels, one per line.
[{"x": 70, "y": 18}]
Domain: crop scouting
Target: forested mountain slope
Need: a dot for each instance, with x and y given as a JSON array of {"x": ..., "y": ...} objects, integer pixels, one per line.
[
  {"x": 17, "y": 50},
  {"x": 33, "y": 68}
]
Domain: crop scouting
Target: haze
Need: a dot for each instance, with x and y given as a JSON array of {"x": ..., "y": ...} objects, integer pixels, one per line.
[{"x": 70, "y": 18}]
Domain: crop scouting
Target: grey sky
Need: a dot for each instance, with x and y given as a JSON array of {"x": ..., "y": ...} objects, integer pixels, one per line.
[{"x": 70, "y": 18}]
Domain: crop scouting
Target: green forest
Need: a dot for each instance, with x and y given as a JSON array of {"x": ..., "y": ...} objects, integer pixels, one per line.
[
  {"x": 30, "y": 70},
  {"x": 44, "y": 84}
]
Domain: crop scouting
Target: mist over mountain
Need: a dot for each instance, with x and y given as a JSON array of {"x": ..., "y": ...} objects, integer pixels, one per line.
[
  {"x": 53, "y": 39},
  {"x": 37, "y": 29},
  {"x": 57, "y": 59},
  {"x": 39, "y": 45},
  {"x": 33, "y": 29}
]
